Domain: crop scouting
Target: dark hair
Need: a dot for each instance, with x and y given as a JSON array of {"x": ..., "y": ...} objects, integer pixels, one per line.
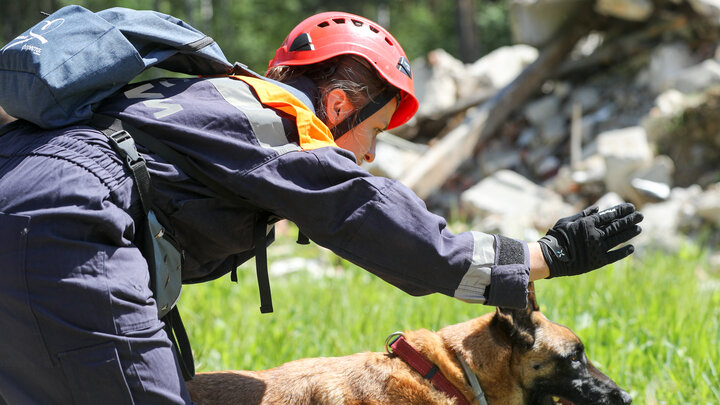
[{"x": 352, "y": 74}]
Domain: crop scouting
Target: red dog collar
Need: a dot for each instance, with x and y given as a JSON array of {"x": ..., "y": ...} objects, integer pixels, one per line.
[{"x": 427, "y": 369}]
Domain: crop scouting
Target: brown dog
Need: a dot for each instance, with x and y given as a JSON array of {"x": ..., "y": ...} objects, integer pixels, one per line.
[{"x": 518, "y": 356}]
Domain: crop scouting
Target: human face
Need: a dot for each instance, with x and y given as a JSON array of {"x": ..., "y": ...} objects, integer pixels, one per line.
[{"x": 361, "y": 140}]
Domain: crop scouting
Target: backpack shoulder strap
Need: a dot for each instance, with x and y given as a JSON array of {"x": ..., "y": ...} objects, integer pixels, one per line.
[
  {"x": 124, "y": 145},
  {"x": 107, "y": 123}
]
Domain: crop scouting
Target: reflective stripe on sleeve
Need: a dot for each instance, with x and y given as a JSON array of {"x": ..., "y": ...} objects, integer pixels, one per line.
[{"x": 472, "y": 286}]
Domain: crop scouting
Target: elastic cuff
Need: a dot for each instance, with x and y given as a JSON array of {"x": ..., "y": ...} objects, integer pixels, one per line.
[
  {"x": 509, "y": 286},
  {"x": 510, "y": 275}
]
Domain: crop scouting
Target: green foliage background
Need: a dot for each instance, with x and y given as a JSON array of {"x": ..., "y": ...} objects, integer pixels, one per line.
[{"x": 250, "y": 30}]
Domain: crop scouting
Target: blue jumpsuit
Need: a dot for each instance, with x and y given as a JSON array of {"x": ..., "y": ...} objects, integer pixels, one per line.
[{"x": 78, "y": 318}]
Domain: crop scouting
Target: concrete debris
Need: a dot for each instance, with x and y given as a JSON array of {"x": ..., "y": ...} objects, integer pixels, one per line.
[
  {"x": 314, "y": 267},
  {"x": 625, "y": 151},
  {"x": 707, "y": 205},
  {"x": 501, "y": 66},
  {"x": 536, "y": 22},
  {"x": 642, "y": 128},
  {"x": 508, "y": 202},
  {"x": 698, "y": 77},
  {"x": 438, "y": 79},
  {"x": 442, "y": 81},
  {"x": 395, "y": 155},
  {"x": 707, "y": 8},
  {"x": 632, "y": 10},
  {"x": 667, "y": 63},
  {"x": 538, "y": 111}
]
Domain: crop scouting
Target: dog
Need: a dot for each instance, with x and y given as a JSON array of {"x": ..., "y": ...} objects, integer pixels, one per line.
[{"x": 518, "y": 357}]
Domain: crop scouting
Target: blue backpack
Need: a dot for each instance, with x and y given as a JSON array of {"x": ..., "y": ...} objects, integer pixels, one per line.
[{"x": 55, "y": 72}]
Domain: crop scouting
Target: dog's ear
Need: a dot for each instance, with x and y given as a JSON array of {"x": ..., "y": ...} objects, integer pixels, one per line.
[{"x": 517, "y": 324}]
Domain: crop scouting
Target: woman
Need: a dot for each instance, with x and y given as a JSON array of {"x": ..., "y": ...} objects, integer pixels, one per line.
[{"x": 80, "y": 321}]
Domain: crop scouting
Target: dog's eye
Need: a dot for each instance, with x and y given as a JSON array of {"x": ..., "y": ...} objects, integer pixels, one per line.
[
  {"x": 576, "y": 358},
  {"x": 537, "y": 366}
]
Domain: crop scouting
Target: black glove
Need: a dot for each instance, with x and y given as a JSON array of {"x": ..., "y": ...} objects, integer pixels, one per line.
[{"x": 582, "y": 242}]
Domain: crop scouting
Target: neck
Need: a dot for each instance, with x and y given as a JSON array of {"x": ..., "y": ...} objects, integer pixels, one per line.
[
  {"x": 437, "y": 350},
  {"x": 486, "y": 353},
  {"x": 472, "y": 379}
]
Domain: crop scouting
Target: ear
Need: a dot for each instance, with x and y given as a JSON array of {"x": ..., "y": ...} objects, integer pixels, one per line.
[
  {"x": 337, "y": 107},
  {"x": 517, "y": 324}
]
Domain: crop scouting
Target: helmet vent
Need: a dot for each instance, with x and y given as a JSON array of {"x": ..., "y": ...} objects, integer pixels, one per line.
[
  {"x": 339, "y": 20},
  {"x": 323, "y": 24},
  {"x": 302, "y": 42},
  {"x": 357, "y": 23},
  {"x": 388, "y": 41},
  {"x": 373, "y": 29}
]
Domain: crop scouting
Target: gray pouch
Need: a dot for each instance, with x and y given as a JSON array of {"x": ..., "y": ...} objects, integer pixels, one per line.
[{"x": 167, "y": 279}]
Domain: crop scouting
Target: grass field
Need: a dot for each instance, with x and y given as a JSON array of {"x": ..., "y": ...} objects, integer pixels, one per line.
[{"x": 650, "y": 323}]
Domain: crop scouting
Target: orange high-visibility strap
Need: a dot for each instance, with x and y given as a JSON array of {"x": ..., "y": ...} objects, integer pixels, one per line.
[{"x": 312, "y": 132}]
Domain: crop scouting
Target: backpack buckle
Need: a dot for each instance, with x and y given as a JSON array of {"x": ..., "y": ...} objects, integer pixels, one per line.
[{"x": 123, "y": 140}]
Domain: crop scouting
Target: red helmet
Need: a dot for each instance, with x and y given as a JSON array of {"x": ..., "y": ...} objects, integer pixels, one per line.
[{"x": 335, "y": 33}]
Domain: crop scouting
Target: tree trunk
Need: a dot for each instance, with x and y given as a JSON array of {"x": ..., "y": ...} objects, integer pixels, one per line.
[{"x": 467, "y": 31}]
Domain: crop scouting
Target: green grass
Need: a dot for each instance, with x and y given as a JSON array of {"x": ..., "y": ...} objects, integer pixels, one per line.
[{"x": 650, "y": 323}]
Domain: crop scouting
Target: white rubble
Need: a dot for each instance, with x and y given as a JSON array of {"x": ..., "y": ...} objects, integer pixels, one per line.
[
  {"x": 632, "y": 10},
  {"x": 642, "y": 130},
  {"x": 393, "y": 156},
  {"x": 501, "y": 66},
  {"x": 513, "y": 205},
  {"x": 625, "y": 151},
  {"x": 535, "y": 22}
]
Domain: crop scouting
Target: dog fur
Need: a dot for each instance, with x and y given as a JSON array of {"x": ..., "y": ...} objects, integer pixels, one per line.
[{"x": 519, "y": 357}]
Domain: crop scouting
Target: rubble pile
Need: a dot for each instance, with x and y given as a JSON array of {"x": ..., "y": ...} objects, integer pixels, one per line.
[{"x": 630, "y": 113}]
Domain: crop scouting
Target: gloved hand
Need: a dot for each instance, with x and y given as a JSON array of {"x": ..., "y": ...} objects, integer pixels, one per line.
[{"x": 582, "y": 242}]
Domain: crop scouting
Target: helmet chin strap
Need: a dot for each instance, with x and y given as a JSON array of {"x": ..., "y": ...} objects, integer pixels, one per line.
[{"x": 370, "y": 108}]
